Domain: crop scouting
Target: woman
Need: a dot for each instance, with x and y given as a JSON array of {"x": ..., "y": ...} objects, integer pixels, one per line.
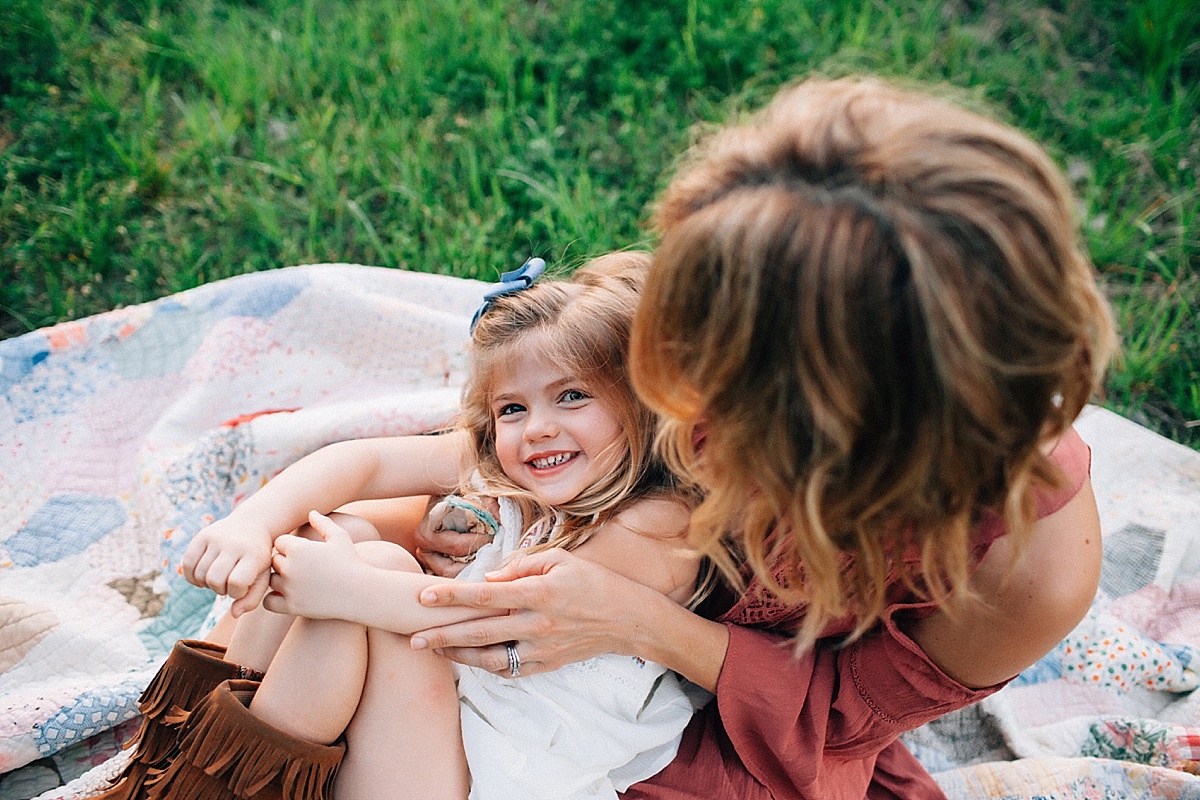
[{"x": 871, "y": 326}]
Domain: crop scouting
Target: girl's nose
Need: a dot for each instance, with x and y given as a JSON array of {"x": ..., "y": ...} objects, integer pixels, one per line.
[{"x": 540, "y": 425}]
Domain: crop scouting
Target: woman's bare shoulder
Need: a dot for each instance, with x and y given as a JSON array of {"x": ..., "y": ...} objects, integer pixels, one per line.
[
  {"x": 1050, "y": 583},
  {"x": 1030, "y": 598}
]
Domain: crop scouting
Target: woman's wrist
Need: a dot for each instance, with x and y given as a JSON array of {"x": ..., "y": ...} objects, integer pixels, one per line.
[
  {"x": 638, "y": 623},
  {"x": 662, "y": 631}
]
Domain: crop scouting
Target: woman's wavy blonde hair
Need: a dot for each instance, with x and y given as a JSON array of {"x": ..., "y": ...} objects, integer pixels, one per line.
[
  {"x": 874, "y": 306},
  {"x": 585, "y": 325}
]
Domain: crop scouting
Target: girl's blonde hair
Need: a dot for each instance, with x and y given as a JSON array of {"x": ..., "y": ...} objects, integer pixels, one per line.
[
  {"x": 586, "y": 323},
  {"x": 874, "y": 306}
]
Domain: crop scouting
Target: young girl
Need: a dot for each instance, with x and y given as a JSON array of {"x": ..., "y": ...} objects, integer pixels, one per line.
[
  {"x": 871, "y": 326},
  {"x": 551, "y": 428}
]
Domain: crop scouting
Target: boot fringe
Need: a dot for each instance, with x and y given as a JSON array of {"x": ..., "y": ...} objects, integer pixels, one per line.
[
  {"x": 192, "y": 668},
  {"x": 188, "y": 674},
  {"x": 227, "y": 752}
]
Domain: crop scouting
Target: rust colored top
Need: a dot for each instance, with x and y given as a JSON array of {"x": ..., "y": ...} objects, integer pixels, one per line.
[{"x": 824, "y": 726}]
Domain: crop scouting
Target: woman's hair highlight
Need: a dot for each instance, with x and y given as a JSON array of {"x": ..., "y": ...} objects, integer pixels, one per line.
[{"x": 875, "y": 307}]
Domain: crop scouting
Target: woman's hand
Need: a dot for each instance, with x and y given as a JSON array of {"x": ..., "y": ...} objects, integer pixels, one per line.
[
  {"x": 314, "y": 579},
  {"x": 565, "y": 609},
  {"x": 232, "y": 559}
]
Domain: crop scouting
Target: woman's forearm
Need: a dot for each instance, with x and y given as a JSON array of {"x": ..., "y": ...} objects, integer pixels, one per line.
[
  {"x": 665, "y": 632},
  {"x": 567, "y": 609}
]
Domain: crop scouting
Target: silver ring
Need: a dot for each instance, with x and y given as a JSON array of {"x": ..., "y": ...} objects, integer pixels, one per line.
[{"x": 514, "y": 660}]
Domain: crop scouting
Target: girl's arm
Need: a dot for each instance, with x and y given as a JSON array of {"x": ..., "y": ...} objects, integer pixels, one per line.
[
  {"x": 647, "y": 543},
  {"x": 231, "y": 556},
  {"x": 372, "y": 583}
]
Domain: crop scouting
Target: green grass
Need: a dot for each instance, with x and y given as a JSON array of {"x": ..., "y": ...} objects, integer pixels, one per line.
[{"x": 147, "y": 146}]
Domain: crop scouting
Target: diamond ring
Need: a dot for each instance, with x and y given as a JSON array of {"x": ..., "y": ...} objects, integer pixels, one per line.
[{"x": 514, "y": 660}]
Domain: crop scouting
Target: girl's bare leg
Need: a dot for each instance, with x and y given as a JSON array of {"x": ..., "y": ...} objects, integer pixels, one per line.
[
  {"x": 315, "y": 681},
  {"x": 256, "y": 636},
  {"x": 404, "y": 740},
  {"x": 222, "y": 632},
  {"x": 396, "y": 518},
  {"x": 397, "y": 707}
]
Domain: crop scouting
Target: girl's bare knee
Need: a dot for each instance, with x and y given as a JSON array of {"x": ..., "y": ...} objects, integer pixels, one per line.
[
  {"x": 360, "y": 530},
  {"x": 386, "y": 555}
]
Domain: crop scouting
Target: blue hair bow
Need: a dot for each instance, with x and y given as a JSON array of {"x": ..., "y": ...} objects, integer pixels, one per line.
[{"x": 510, "y": 283}]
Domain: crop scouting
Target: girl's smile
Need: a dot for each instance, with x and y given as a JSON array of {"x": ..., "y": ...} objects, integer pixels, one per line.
[
  {"x": 554, "y": 438},
  {"x": 543, "y": 463}
]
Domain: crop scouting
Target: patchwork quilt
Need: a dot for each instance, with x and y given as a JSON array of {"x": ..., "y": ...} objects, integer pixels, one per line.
[{"x": 123, "y": 434}]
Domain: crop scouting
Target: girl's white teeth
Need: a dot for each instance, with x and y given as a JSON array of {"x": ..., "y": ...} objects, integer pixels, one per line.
[{"x": 551, "y": 461}]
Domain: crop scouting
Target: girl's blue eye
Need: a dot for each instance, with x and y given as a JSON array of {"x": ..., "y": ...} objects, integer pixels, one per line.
[
  {"x": 573, "y": 396},
  {"x": 509, "y": 409}
]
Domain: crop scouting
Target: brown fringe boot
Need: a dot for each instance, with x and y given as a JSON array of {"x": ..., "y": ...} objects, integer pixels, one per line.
[
  {"x": 190, "y": 672},
  {"x": 227, "y": 753}
]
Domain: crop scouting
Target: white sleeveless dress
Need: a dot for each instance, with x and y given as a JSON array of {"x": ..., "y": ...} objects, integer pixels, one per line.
[{"x": 587, "y": 730}]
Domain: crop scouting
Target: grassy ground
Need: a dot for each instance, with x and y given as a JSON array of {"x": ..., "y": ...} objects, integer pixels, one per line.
[{"x": 147, "y": 146}]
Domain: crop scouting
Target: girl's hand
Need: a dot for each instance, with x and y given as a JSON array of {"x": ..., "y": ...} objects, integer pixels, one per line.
[
  {"x": 314, "y": 579},
  {"x": 441, "y": 548},
  {"x": 231, "y": 559},
  {"x": 566, "y": 609},
  {"x": 439, "y": 563}
]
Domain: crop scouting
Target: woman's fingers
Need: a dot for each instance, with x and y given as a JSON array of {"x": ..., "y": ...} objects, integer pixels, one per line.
[
  {"x": 491, "y": 659},
  {"x": 560, "y": 611},
  {"x": 521, "y": 566},
  {"x": 503, "y": 588},
  {"x": 495, "y": 659},
  {"x": 472, "y": 594},
  {"x": 473, "y": 634}
]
